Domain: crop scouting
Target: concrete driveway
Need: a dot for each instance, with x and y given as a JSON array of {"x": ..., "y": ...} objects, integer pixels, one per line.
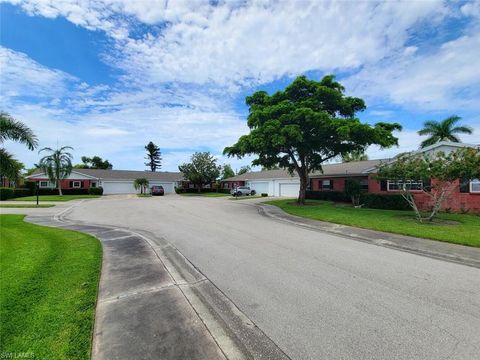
[{"x": 316, "y": 295}]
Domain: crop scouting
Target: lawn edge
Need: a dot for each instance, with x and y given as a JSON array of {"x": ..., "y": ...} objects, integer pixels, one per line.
[{"x": 440, "y": 250}]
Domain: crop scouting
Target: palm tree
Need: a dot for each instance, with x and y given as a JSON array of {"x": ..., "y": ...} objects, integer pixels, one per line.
[
  {"x": 57, "y": 165},
  {"x": 141, "y": 183},
  {"x": 11, "y": 129},
  {"x": 444, "y": 130}
]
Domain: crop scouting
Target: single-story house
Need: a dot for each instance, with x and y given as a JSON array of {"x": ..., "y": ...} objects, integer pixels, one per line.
[
  {"x": 112, "y": 181},
  {"x": 466, "y": 196}
]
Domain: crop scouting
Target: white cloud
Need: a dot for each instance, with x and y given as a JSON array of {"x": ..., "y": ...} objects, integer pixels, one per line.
[{"x": 448, "y": 78}]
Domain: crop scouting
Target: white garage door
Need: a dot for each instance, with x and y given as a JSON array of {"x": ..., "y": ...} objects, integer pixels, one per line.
[
  {"x": 259, "y": 186},
  {"x": 288, "y": 189},
  {"x": 118, "y": 187},
  {"x": 167, "y": 186}
]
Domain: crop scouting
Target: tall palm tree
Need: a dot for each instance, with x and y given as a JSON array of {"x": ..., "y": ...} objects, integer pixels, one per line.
[
  {"x": 444, "y": 130},
  {"x": 57, "y": 165},
  {"x": 11, "y": 129}
]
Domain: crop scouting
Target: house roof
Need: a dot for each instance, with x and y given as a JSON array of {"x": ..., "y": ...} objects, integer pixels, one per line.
[
  {"x": 125, "y": 174},
  {"x": 349, "y": 168}
]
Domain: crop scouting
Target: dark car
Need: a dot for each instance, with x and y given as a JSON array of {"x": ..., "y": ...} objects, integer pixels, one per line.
[{"x": 158, "y": 190}]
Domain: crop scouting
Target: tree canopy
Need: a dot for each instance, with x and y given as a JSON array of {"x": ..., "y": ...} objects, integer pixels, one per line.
[
  {"x": 95, "y": 162},
  {"x": 227, "y": 171},
  {"x": 202, "y": 169},
  {"x": 244, "y": 169},
  {"x": 354, "y": 156},
  {"x": 444, "y": 130},
  {"x": 154, "y": 158},
  {"x": 305, "y": 125}
]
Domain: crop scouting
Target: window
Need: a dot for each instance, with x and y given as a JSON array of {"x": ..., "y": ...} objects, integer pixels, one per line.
[
  {"x": 393, "y": 185},
  {"x": 77, "y": 184},
  {"x": 364, "y": 184},
  {"x": 44, "y": 184},
  {"x": 475, "y": 185},
  {"x": 326, "y": 184},
  {"x": 94, "y": 184}
]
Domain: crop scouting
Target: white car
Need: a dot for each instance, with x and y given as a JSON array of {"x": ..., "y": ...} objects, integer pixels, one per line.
[{"x": 242, "y": 190}]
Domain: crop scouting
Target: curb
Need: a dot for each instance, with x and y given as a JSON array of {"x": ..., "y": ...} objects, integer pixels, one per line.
[{"x": 459, "y": 254}]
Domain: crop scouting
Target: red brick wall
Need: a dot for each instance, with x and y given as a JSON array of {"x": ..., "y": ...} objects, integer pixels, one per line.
[
  {"x": 66, "y": 183},
  {"x": 458, "y": 202},
  {"x": 338, "y": 183},
  {"x": 232, "y": 184}
]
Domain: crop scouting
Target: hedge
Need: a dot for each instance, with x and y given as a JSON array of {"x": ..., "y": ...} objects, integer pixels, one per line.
[
  {"x": 6, "y": 193},
  {"x": 95, "y": 191},
  {"x": 383, "y": 201},
  {"x": 335, "y": 196},
  {"x": 369, "y": 200},
  {"x": 21, "y": 192}
]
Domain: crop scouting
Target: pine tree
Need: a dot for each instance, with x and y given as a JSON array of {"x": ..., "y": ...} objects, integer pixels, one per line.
[{"x": 153, "y": 156}]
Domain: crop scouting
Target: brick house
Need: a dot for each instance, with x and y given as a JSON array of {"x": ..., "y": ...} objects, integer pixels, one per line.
[{"x": 466, "y": 196}]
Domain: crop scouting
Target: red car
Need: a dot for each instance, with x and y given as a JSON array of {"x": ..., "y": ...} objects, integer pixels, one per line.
[{"x": 158, "y": 190}]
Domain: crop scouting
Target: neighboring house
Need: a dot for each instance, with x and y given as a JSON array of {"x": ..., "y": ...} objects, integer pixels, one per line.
[
  {"x": 112, "y": 181},
  {"x": 466, "y": 196}
]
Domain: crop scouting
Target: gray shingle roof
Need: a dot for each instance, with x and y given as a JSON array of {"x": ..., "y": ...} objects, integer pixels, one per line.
[
  {"x": 127, "y": 174},
  {"x": 350, "y": 168}
]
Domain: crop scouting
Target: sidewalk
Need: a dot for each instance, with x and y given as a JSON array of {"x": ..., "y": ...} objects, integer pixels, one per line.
[{"x": 436, "y": 249}]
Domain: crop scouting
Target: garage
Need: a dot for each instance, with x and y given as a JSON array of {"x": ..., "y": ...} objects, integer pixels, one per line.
[
  {"x": 289, "y": 189},
  {"x": 168, "y": 187},
  {"x": 118, "y": 187},
  {"x": 259, "y": 186}
]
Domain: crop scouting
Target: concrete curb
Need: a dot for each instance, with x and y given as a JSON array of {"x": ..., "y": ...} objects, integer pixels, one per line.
[
  {"x": 459, "y": 254},
  {"x": 153, "y": 303}
]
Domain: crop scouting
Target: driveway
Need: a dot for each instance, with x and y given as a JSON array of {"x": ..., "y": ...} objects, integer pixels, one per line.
[{"x": 316, "y": 295}]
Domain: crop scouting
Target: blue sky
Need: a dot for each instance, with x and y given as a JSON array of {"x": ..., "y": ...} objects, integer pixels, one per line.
[{"x": 106, "y": 77}]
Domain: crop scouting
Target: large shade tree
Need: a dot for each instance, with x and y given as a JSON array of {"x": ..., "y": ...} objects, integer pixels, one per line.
[
  {"x": 445, "y": 130},
  {"x": 11, "y": 129},
  {"x": 202, "y": 169},
  {"x": 94, "y": 162},
  {"x": 57, "y": 165},
  {"x": 307, "y": 124}
]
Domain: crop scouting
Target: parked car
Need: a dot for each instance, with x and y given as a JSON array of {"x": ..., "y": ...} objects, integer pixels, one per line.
[
  {"x": 242, "y": 190},
  {"x": 158, "y": 190}
]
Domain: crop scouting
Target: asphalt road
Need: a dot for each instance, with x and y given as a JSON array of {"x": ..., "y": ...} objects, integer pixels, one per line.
[{"x": 316, "y": 295}]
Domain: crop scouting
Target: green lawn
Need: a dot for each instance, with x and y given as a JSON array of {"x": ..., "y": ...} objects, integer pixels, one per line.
[
  {"x": 22, "y": 206},
  {"x": 144, "y": 195},
  {"x": 206, "y": 194},
  {"x": 56, "y": 197},
  {"x": 465, "y": 232},
  {"x": 48, "y": 289}
]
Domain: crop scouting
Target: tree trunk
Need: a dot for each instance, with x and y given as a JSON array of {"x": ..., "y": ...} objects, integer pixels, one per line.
[
  {"x": 303, "y": 187},
  {"x": 59, "y": 187}
]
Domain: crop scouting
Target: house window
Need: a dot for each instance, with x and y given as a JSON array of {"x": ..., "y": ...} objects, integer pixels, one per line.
[
  {"x": 326, "y": 184},
  {"x": 475, "y": 186},
  {"x": 393, "y": 185},
  {"x": 76, "y": 184},
  {"x": 94, "y": 184},
  {"x": 364, "y": 184},
  {"x": 44, "y": 184}
]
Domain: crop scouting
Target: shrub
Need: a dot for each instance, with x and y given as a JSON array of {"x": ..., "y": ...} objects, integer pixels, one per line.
[
  {"x": 6, "y": 193},
  {"x": 21, "y": 192},
  {"x": 264, "y": 194},
  {"x": 95, "y": 191},
  {"x": 335, "y": 196},
  {"x": 383, "y": 201},
  {"x": 179, "y": 190}
]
